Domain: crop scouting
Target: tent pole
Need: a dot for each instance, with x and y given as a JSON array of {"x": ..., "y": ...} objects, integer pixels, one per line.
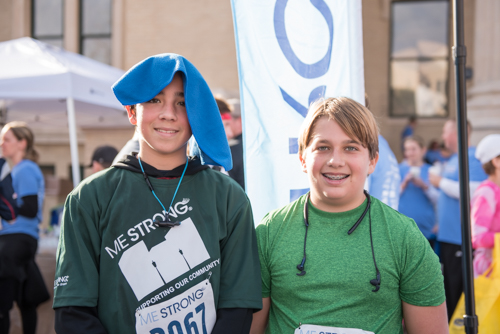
[
  {"x": 459, "y": 55},
  {"x": 73, "y": 144}
]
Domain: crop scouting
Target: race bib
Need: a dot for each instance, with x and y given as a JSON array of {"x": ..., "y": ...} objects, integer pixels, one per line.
[
  {"x": 192, "y": 312},
  {"x": 313, "y": 329}
]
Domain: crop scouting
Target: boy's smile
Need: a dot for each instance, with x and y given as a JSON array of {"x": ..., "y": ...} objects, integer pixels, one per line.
[
  {"x": 164, "y": 126},
  {"x": 337, "y": 166}
]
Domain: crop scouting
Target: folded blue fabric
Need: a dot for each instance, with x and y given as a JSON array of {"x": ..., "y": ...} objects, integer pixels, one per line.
[{"x": 146, "y": 79}]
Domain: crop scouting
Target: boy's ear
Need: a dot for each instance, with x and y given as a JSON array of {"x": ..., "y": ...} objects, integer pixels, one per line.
[
  {"x": 372, "y": 164},
  {"x": 131, "y": 115},
  {"x": 303, "y": 162}
]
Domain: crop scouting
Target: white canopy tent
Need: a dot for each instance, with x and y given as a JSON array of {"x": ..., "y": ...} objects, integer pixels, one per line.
[{"x": 40, "y": 83}]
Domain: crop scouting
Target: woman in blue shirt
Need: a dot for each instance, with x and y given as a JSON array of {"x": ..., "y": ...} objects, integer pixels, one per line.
[
  {"x": 418, "y": 196},
  {"x": 19, "y": 237}
]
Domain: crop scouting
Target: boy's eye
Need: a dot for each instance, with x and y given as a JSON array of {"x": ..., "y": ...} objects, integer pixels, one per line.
[
  {"x": 322, "y": 148},
  {"x": 154, "y": 100},
  {"x": 351, "y": 148},
  {"x": 182, "y": 103}
]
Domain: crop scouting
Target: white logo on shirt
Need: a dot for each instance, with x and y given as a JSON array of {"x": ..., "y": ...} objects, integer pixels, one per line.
[
  {"x": 147, "y": 271},
  {"x": 145, "y": 227},
  {"x": 61, "y": 281}
]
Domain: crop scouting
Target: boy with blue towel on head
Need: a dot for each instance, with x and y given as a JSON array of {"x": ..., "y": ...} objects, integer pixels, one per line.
[{"x": 159, "y": 242}]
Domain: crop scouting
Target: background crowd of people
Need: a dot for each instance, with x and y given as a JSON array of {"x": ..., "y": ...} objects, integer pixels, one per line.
[{"x": 428, "y": 193}]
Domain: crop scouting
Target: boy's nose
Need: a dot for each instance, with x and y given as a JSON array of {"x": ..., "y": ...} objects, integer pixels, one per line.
[
  {"x": 168, "y": 112},
  {"x": 336, "y": 159}
]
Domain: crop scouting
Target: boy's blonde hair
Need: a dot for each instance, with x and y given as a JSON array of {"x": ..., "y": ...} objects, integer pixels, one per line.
[{"x": 356, "y": 121}]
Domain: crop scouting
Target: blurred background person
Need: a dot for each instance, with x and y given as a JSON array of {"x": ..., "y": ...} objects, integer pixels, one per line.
[
  {"x": 236, "y": 143},
  {"x": 436, "y": 153},
  {"x": 445, "y": 153},
  {"x": 225, "y": 114},
  {"x": 132, "y": 145},
  {"x": 409, "y": 129},
  {"x": 417, "y": 197},
  {"x": 102, "y": 158},
  {"x": 449, "y": 233},
  {"x": 485, "y": 204},
  {"x": 8, "y": 205},
  {"x": 384, "y": 183},
  {"x": 20, "y": 278},
  {"x": 433, "y": 152}
]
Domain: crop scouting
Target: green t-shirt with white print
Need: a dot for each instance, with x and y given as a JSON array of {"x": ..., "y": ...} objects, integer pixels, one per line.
[
  {"x": 336, "y": 289},
  {"x": 148, "y": 279}
]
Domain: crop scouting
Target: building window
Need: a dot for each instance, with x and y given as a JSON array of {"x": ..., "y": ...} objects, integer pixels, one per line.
[
  {"x": 419, "y": 58},
  {"x": 95, "y": 29},
  {"x": 47, "y": 18}
]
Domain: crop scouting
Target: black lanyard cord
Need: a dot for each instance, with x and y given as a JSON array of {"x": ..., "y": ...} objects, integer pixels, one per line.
[
  {"x": 306, "y": 222},
  {"x": 376, "y": 281}
]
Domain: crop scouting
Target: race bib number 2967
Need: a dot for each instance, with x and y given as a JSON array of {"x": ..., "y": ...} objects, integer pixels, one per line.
[{"x": 192, "y": 312}]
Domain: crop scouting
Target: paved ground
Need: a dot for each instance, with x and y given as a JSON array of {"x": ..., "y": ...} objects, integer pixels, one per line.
[{"x": 46, "y": 260}]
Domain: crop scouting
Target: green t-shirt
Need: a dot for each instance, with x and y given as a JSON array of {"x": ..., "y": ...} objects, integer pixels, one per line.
[
  {"x": 336, "y": 289},
  {"x": 142, "y": 277}
]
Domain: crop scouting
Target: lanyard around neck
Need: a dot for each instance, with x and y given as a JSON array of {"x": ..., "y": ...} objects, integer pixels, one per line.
[{"x": 167, "y": 222}]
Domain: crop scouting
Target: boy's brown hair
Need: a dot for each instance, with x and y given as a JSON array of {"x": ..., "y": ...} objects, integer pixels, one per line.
[{"x": 356, "y": 121}]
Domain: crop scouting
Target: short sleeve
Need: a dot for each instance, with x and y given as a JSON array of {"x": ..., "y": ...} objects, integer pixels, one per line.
[
  {"x": 262, "y": 241},
  {"x": 77, "y": 261},
  {"x": 240, "y": 277},
  {"x": 26, "y": 183},
  {"x": 421, "y": 281}
]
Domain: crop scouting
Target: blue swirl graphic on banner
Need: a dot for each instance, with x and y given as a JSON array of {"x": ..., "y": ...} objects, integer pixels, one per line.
[
  {"x": 308, "y": 71},
  {"x": 315, "y": 94}
]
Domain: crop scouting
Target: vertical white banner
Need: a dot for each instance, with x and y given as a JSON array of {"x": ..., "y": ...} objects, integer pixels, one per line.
[{"x": 290, "y": 53}]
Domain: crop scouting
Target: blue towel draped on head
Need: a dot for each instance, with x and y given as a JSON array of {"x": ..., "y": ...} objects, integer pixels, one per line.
[{"x": 146, "y": 79}]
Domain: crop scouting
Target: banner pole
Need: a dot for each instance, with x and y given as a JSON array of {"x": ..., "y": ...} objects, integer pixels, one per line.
[
  {"x": 459, "y": 55},
  {"x": 73, "y": 142}
]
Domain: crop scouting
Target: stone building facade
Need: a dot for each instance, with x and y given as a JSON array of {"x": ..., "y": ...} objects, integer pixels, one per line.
[{"x": 203, "y": 32}]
